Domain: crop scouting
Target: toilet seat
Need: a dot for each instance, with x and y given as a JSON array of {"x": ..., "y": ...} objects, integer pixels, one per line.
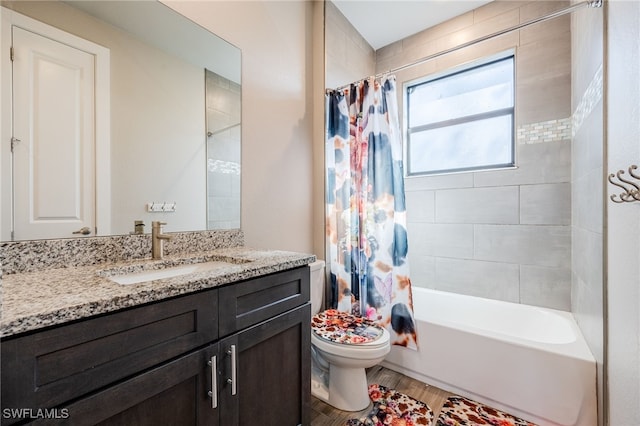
[
  {"x": 325, "y": 344},
  {"x": 337, "y": 328},
  {"x": 346, "y": 353}
]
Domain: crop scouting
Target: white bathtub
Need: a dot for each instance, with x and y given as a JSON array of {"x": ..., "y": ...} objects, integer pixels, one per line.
[{"x": 531, "y": 362}]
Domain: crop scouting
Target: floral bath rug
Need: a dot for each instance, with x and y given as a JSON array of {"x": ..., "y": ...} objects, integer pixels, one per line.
[
  {"x": 393, "y": 408},
  {"x": 459, "y": 411}
]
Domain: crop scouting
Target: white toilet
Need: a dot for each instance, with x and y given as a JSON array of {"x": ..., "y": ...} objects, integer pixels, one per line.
[{"x": 338, "y": 368}]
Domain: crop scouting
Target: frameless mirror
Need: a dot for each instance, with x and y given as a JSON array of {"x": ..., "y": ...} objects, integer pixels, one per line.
[{"x": 156, "y": 96}]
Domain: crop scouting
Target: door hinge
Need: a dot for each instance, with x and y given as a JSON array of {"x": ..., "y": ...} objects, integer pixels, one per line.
[{"x": 11, "y": 55}]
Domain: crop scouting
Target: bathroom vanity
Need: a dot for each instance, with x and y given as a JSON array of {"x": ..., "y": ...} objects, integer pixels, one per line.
[{"x": 227, "y": 346}]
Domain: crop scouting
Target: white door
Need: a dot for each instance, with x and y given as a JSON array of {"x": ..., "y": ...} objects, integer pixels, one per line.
[{"x": 54, "y": 121}]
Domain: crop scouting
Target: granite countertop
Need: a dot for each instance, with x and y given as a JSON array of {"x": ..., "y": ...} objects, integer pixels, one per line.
[{"x": 35, "y": 300}]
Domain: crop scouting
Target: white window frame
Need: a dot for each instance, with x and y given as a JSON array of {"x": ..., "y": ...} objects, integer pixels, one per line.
[{"x": 449, "y": 72}]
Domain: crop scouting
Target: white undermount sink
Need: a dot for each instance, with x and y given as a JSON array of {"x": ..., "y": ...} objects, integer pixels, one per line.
[{"x": 168, "y": 272}]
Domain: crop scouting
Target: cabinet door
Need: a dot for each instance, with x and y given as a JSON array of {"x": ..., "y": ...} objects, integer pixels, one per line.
[
  {"x": 272, "y": 381},
  {"x": 175, "y": 393}
]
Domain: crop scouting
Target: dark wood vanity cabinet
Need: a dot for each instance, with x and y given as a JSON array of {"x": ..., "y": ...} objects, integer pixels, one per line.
[{"x": 238, "y": 354}]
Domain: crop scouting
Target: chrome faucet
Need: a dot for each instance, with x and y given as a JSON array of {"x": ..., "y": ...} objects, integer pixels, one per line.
[{"x": 157, "y": 239}]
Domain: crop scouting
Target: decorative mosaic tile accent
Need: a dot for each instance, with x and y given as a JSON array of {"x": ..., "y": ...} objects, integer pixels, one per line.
[
  {"x": 545, "y": 131},
  {"x": 589, "y": 100},
  {"x": 36, "y": 255},
  {"x": 226, "y": 167}
]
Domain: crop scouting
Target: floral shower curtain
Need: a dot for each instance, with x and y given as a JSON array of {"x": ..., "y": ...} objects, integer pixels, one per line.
[{"x": 366, "y": 214}]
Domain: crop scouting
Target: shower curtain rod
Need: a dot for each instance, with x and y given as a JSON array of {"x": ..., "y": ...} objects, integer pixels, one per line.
[
  {"x": 224, "y": 129},
  {"x": 590, "y": 3}
]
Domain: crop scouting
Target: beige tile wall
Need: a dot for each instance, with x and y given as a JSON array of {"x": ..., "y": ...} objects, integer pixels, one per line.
[
  {"x": 543, "y": 53},
  {"x": 587, "y": 286},
  {"x": 500, "y": 234},
  {"x": 348, "y": 55}
]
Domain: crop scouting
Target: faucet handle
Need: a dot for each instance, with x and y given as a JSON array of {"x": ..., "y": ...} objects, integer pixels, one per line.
[
  {"x": 158, "y": 223},
  {"x": 138, "y": 227}
]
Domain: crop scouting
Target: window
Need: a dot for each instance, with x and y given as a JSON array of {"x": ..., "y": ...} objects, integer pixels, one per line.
[{"x": 463, "y": 120}]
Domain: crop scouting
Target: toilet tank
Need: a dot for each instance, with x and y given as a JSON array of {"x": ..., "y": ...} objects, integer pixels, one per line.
[{"x": 317, "y": 285}]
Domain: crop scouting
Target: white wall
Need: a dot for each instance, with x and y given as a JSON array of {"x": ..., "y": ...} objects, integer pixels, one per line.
[
  {"x": 164, "y": 159},
  {"x": 157, "y": 123},
  {"x": 623, "y": 222},
  {"x": 277, "y": 108}
]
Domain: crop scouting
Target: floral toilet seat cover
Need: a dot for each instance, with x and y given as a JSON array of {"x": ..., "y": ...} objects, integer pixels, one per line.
[{"x": 342, "y": 327}]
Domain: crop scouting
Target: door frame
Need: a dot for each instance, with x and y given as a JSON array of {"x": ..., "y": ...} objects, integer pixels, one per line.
[{"x": 8, "y": 19}]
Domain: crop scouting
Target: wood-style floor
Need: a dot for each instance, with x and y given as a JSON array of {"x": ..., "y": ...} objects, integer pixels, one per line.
[{"x": 323, "y": 414}]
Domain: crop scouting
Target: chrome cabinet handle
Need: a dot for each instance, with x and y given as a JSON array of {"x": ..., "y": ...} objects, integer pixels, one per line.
[
  {"x": 233, "y": 380},
  {"x": 213, "y": 393}
]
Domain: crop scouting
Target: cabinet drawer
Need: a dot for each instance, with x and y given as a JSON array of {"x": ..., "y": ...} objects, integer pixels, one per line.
[
  {"x": 249, "y": 302},
  {"x": 51, "y": 367}
]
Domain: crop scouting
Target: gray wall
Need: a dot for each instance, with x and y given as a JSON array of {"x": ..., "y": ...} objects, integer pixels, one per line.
[
  {"x": 499, "y": 234},
  {"x": 223, "y": 152},
  {"x": 587, "y": 185}
]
